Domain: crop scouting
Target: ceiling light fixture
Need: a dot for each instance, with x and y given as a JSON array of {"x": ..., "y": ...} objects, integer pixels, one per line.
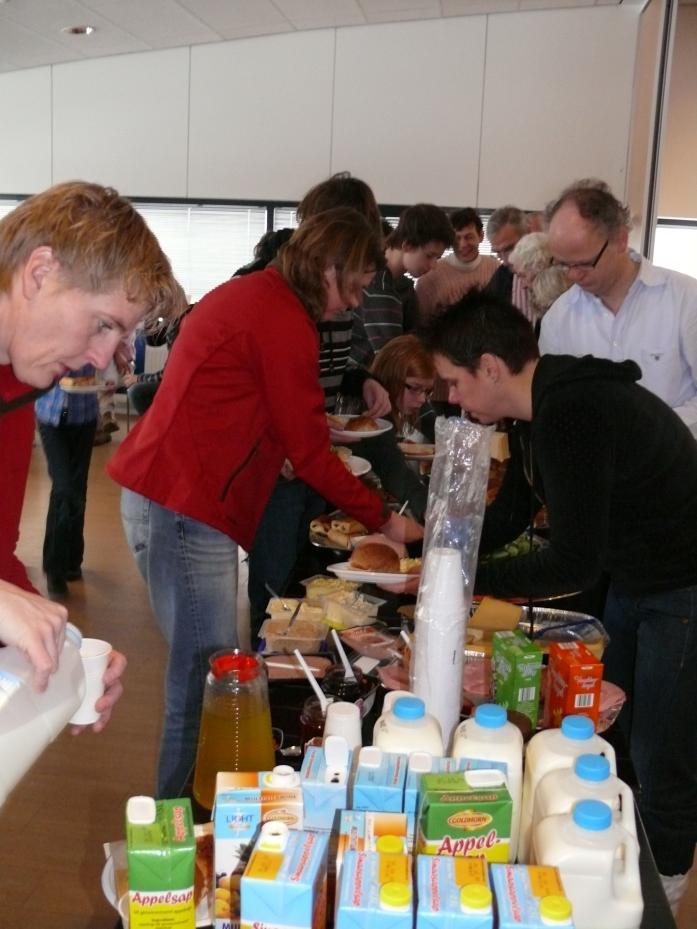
[{"x": 78, "y": 30}]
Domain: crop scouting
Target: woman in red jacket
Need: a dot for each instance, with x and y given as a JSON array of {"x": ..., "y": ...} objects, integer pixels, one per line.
[{"x": 240, "y": 395}]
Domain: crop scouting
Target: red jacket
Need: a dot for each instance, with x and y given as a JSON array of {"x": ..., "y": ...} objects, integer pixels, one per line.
[{"x": 240, "y": 394}]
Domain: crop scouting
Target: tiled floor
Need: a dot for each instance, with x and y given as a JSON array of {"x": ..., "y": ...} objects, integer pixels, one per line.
[{"x": 54, "y": 823}]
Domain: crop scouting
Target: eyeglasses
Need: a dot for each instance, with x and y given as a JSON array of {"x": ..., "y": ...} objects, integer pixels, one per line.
[
  {"x": 417, "y": 390},
  {"x": 582, "y": 265}
]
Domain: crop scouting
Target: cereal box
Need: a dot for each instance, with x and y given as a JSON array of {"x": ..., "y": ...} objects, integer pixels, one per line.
[{"x": 574, "y": 680}]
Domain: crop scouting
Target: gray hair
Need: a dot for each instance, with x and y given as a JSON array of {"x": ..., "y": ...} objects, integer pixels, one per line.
[
  {"x": 506, "y": 216},
  {"x": 595, "y": 203},
  {"x": 531, "y": 255},
  {"x": 547, "y": 287}
]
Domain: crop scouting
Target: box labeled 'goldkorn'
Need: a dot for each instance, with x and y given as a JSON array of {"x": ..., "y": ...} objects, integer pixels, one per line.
[
  {"x": 465, "y": 813},
  {"x": 284, "y": 883},
  {"x": 442, "y": 903},
  {"x": 161, "y": 850},
  {"x": 243, "y": 802}
]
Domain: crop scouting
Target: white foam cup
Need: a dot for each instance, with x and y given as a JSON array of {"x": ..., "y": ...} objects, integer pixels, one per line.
[
  {"x": 344, "y": 719},
  {"x": 95, "y": 658},
  {"x": 442, "y": 583}
]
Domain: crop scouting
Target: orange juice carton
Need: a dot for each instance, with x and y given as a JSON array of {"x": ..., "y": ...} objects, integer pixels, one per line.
[
  {"x": 284, "y": 883},
  {"x": 361, "y": 830},
  {"x": 574, "y": 679},
  {"x": 161, "y": 850},
  {"x": 530, "y": 897},
  {"x": 465, "y": 813},
  {"x": 243, "y": 802},
  {"x": 453, "y": 893},
  {"x": 375, "y": 892},
  {"x": 324, "y": 777},
  {"x": 378, "y": 781},
  {"x": 517, "y": 668}
]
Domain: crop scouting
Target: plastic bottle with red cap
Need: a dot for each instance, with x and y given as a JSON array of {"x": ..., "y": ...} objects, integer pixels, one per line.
[{"x": 235, "y": 733}]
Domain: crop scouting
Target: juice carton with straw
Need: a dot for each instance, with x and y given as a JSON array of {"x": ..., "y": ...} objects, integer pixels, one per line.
[{"x": 161, "y": 850}]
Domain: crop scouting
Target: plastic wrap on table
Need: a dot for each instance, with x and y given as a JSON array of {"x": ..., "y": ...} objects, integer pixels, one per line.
[
  {"x": 550, "y": 625},
  {"x": 456, "y": 503}
]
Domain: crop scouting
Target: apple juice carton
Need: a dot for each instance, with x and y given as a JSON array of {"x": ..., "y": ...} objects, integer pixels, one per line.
[
  {"x": 517, "y": 668},
  {"x": 465, "y": 813},
  {"x": 161, "y": 850},
  {"x": 243, "y": 802},
  {"x": 574, "y": 679},
  {"x": 324, "y": 777},
  {"x": 378, "y": 781},
  {"x": 375, "y": 892},
  {"x": 284, "y": 883},
  {"x": 530, "y": 897},
  {"x": 453, "y": 893}
]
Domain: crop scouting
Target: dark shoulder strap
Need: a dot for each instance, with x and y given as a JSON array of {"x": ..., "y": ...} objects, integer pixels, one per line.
[{"x": 7, "y": 406}]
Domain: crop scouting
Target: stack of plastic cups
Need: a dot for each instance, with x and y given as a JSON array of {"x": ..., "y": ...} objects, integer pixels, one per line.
[{"x": 439, "y": 635}]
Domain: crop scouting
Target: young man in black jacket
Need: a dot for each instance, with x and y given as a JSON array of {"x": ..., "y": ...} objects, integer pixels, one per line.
[{"x": 617, "y": 470}]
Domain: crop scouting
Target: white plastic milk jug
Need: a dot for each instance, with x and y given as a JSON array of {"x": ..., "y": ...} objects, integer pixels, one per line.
[
  {"x": 406, "y": 727},
  {"x": 598, "y": 861},
  {"x": 552, "y": 749},
  {"x": 29, "y": 720},
  {"x": 589, "y": 779},
  {"x": 488, "y": 736}
]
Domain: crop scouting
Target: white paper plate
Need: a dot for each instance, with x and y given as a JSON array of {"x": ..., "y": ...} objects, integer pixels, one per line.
[
  {"x": 85, "y": 388},
  {"x": 384, "y": 425},
  {"x": 359, "y": 466},
  {"x": 417, "y": 452},
  {"x": 344, "y": 570}
]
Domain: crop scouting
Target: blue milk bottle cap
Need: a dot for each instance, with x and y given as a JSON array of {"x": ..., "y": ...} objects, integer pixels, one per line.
[
  {"x": 577, "y": 727},
  {"x": 592, "y": 767},
  {"x": 491, "y": 716},
  {"x": 592, "y": 815},
  {"x": 409, "y": 708}
]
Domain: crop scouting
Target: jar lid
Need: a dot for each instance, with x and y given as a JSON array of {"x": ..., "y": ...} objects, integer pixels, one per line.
[
  {"x": 490, "y": 715},
  {"x": 555, "y": 909},
  {"x": 577, "y": 727},
  {"x": 409, "y": 708},
  {"x": 244, "y": 665},
  {"x": 475, "y": 897},
  {"x": 592, "y": 767},
  {"x": 395, "y": 895},
  {"x": 592, "y": 815}
]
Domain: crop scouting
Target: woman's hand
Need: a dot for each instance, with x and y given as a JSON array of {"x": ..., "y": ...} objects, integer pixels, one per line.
[
  {"x": 402, "y": 529},
  {"x": 128, "y": 380},
  {"x": 376, "y": 398},
  {"x": 34, "y": 625},
  {"x": 113, "y": 688}
]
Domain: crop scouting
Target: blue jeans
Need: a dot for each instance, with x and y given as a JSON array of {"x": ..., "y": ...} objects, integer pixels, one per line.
[
  {"x": 280, "y": 537},
  {"x": 652, "y": 656},
  {"x": 191, "y": 573}
]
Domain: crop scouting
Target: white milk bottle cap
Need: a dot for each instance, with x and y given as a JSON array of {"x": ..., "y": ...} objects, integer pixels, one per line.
[
  {"x": 283, "y": 776},
  {"x": 141, "y": 811}
]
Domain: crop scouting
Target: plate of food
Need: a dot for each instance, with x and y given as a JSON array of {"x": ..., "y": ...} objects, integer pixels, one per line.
[
  {"x": 375, "y": 563},
  {"x": 84, "y": 384},
  {"x": 356, "y": 426},
  {"x": 418, "y": 451},
  {"x": 336, "y": 531}
]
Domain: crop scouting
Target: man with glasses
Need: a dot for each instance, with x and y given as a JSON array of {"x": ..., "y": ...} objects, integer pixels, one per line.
[
  {"x": 505, "y": 228},
  {"x": 619, "y": 305}
]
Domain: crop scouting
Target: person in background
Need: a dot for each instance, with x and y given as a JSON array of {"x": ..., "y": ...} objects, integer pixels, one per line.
[
  {"x": 617, "y": 470},
  {"x": 240, "y": 395},
  {"x": 422, "y": 235},
  {"x": 142, "y": 387},
  {"x": 78, "y": 269},
  {"x": 506, "y": 226},
  {"x": 532, "y": 261},
  {"x": 265, "y": 251},
  {"x": 406, "y": 370},
  {"x": 67, "y": 424},
  {"x": 458, "y": 272},
  {"x": 620, "y": 305}
]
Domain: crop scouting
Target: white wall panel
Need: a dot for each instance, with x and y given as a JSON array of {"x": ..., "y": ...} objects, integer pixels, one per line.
[
  {"x": 557, "y": 102},
  {"x": 261, "y": 116},
  {"x": 25, "y": 150},
  {"x": 408, "y": 107},
  {"x": 123, "y": 121}
]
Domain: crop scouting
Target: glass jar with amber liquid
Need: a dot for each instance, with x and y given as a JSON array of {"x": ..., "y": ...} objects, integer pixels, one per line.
[{"x": 235, "y": 733}]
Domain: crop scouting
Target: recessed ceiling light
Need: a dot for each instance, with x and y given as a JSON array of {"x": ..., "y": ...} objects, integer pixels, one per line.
[{"x": 78, "y": 30}]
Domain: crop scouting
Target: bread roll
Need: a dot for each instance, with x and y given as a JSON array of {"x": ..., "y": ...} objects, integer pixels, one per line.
[
  {"x": 321, "y": 525},
  {"x": 349, "y": 526},
  {"x": 373, "y": 556},
  {"x": 84, "y": 380},
  {"x": 361, "y": 424}
]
